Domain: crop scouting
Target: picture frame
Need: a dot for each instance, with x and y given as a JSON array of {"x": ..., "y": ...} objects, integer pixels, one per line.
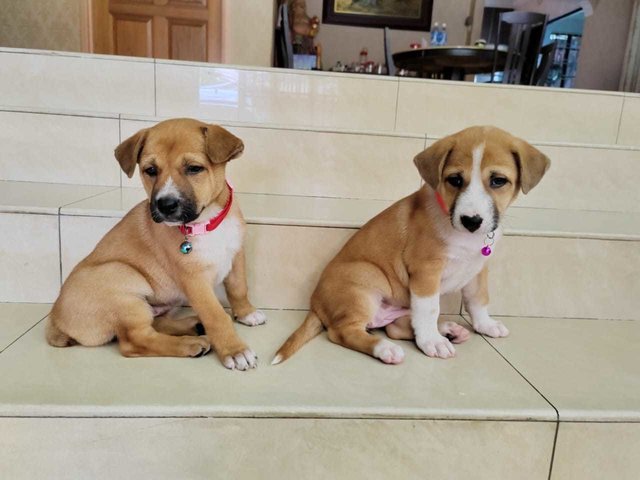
[{"x": 396, "y": 14}]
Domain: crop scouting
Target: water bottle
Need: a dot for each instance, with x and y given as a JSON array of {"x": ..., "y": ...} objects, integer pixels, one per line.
[
  {"x": 443, "y": 35},
  {"x": 434, "y": 34}
]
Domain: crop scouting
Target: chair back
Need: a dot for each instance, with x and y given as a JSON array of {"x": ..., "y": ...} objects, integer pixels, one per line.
[
  {"x": 546, "y": 59},
  {"x": 388, "y": 55},
  {"x": 525, "y": 40},
  {"x": 284, "y": 45}
]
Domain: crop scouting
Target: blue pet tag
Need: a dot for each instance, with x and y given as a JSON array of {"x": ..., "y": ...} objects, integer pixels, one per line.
[{"x": 186, "y": 247}]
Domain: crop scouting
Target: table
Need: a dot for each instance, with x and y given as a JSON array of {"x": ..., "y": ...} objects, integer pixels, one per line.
[{"x": 449, "y": 62}]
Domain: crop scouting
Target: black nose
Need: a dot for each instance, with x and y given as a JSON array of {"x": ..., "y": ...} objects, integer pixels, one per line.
[
  {"x": 471, "y": 223},
  {"x": 167, "y": 205}
]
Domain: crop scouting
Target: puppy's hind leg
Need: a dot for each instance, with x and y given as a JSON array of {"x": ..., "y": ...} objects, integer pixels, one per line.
[
  {"x": 171, "y": 325},
  {"x": 138, "y": 338},
  {"x": 56, "y": 337}
]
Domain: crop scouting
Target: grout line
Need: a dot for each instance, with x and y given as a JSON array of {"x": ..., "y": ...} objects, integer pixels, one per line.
[
  {"x": 120, "y": 138},
  {"x": 624, "y": 100},
  {"x": 155, "y": 89},
  {"x": 532, "y": 386},
  {"x": 60, "y": 246},
  {"x": 395, "y": 119},
  {"x": 24, "y": 333}
]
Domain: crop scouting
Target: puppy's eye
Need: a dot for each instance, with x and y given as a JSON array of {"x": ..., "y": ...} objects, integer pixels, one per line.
[
  {"x": 194, "y": 169},
  {"x": 455, "y": 180},
  {"x": 151, "y": 171},
  {"x": 497, "y": 182}
]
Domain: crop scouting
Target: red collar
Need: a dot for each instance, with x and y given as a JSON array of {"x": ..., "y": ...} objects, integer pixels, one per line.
[
  {"x": 212, "y": 224},
  {"x": 443, "y": 205}
]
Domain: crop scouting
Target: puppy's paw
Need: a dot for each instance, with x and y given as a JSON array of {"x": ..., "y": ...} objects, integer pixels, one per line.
[
  {"x": 491, "y": 328},
  {"x": 196, "y": 346},
  {"x": 454, "y": 332},
  {"x": 436, "y": 346},
  {"x": 254, "y": 318},
  {"x": 388, "y": 352},
  {"x": 242, "y": 360}
]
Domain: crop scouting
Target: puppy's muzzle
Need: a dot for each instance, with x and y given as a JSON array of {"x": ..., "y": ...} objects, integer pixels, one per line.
[
  {"x": 471, "y": 223},
  {"x": 172, "y": 209}
]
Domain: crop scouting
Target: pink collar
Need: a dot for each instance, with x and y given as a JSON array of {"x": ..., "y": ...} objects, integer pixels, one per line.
[{"x": 212, "y": 224}]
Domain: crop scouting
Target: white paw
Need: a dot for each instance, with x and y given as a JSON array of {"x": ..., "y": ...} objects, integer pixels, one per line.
[
  {"x": 454, "y": 332},
  {"x": 241, "y": 361},
  {"x": 388, "y": 352},
  {"x": 254, "y": 318},
  {"x": 436, "y": 346},
  {"x": 491, "y": 328}
]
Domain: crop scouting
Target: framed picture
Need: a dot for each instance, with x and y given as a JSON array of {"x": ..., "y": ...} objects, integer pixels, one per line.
[{"x": 397, "y": 14}]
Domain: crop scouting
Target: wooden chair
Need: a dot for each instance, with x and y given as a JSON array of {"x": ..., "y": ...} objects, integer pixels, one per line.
[{"x": 525, "y": 40}]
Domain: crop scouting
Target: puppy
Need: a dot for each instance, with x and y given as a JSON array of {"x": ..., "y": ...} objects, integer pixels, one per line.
[
  {"x": 168, "y": 251},
  {"x": 392, "y": 272}
]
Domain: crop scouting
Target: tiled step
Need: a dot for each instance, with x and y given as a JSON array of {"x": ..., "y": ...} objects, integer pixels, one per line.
[
  {"x": 328, "y": 410},
  {"x": 311, "y": 99},
  {"x": 78, "y": 149},
  {"x": 588, "y": 260}
]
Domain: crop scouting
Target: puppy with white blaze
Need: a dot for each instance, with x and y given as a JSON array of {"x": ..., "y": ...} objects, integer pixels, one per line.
[{"x": 392, "y": 272}]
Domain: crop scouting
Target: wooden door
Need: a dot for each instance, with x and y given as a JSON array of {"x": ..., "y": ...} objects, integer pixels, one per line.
[{"x": 175, "y": 29}]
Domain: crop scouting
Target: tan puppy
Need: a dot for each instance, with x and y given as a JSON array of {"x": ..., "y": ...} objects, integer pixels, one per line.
[
  {"x": 393, "y": 270},
  {"x": 139, "y": 269}
]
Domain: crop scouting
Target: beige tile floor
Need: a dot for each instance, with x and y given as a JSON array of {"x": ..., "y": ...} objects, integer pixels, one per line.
[{"x": 17, "y": 318}]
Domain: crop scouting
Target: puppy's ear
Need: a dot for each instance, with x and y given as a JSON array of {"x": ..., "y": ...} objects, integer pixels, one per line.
[
  {"x": 128, "y": 152},
  {"x": 532, "y": 164},
  {"x": 431, "y": 162},
  {"x": 221, "y": 145}
]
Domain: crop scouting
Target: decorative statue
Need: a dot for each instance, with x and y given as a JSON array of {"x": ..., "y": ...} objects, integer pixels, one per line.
[{"x": 303, "y": 27}]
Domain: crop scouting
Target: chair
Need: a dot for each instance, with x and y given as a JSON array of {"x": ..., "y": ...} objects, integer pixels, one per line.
[
  {"x": 525, "y": 39},
  {"x": 546, "y": 60},
  {"x": 388, "y": 56},
  {"x": 284, "y": 45}
]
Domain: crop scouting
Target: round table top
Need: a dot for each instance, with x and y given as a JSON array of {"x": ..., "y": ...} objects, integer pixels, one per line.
[{"x": 472, "y": 60}]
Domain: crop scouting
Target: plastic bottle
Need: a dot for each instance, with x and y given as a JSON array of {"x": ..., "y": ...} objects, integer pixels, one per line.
[
  {"x": 434, "y": 34},
  {"x": 443, "y": 35}
]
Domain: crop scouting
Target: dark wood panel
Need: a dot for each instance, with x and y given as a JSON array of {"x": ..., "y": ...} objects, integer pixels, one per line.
[
  {"x": 132, "y": 35},
  {"x": 187, "y": 40}
]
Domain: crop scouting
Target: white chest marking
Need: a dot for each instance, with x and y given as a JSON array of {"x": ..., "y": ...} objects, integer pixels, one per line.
[
  {"x": 219, "y": 247},
  {"x": 464, "y": 260}
]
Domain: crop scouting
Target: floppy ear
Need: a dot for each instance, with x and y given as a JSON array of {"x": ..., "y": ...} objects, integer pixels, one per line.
[
  {"x": 221, "y": 145},
  {"x": 430, "y": 162},
  {"x": 532, "y": 164},
  {"x": 128, "y": 152}
]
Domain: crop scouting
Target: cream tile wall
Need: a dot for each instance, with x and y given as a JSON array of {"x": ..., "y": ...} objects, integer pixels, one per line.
[
  {"x": 561, "y": 277},
  {"x": 307, "y": 448},
  {"x": 271, "y": 96},
  {"x": 78, "y": 83},
  {"x": 629, "y": 133},
  {"x": 30, "y": 258},
  {"x": 58, "y": 148},
  {"x": 441, "y": 108},
  {"x": 592, "y": 451}
]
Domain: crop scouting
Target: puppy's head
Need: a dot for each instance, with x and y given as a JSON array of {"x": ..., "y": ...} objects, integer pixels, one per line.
[
  {"x": 478, "y": 172},
  {"x": 182, "y": 166}
]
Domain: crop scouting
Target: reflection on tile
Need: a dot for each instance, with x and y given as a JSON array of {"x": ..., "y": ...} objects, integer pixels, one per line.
[
  {"x": 34, "y": 197},
  {"x": 271, "y": 96},
  {"x": 582, "y": 178},
  {"x": 307, "y": 448},
  {"x": 628, "y": 133},
  {"x": 572, "y": 278},
  {"x": 30, "y": 260},
  {"x": 593, "y": 451},
  {"x": 87, "y": 83},
  {"x": 321, "y": 380},
  {"x": 58, "y": 148},
  {"x": 17, "y": 318},
  {"x": 588, "y": 369},
  {"x": 79, "y": 236},
  {"x": 451, "y": 106}
]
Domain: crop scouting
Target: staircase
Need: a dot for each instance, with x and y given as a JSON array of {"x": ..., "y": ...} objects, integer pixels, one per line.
[{"x": 559, "y": 398}]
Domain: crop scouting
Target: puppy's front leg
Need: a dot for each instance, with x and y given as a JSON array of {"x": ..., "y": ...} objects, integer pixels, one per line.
[
  {"x": 475, "y": 296},
  {"x": 425, "y": 310},
  {"x": 232, "y": 351},
  {"x": 236, "y": 287}
]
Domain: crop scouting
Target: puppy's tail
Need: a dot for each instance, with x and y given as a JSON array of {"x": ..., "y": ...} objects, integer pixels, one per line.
[
  {"x": 311, "y": 327},
  {"x": 56, "y": 337}
]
